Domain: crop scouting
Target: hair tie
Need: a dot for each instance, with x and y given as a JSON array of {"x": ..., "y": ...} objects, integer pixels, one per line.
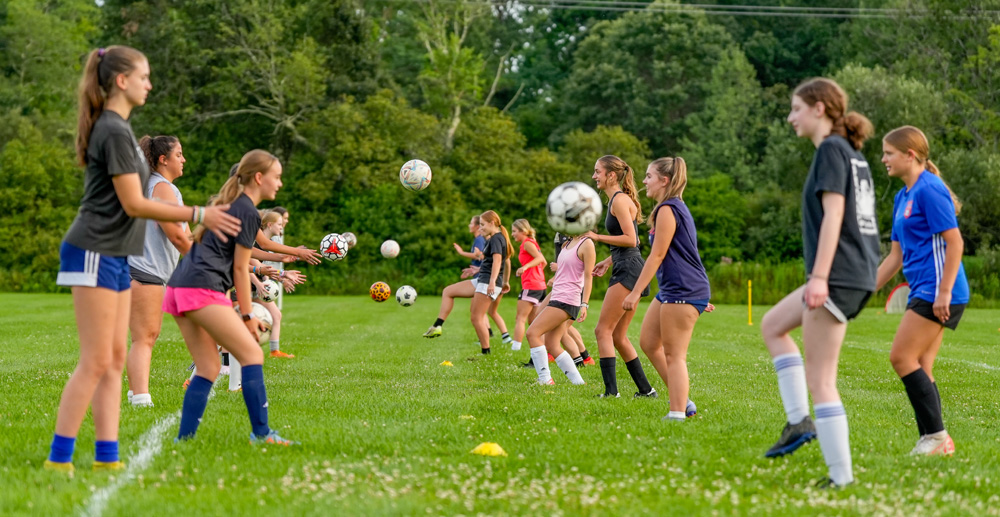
[{"x": 100, "y": 52}]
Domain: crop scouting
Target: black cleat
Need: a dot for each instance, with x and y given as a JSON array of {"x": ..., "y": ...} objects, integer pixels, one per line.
[{"x": 793, "y": 437}]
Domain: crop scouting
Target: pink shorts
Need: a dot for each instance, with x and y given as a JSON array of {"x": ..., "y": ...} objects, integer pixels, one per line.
[{"x": 179, "y": 300}]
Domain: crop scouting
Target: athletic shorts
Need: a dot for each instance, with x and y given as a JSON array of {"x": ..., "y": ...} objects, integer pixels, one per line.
[
  {"x": 926, "y": 309},
  {"x": 625, "y": 270},
  {"x": 481, "y": 289},
  {"x": 84, "y": 268},
  {"x": 701, "y": 305},
  {"x": 178, "y": 300},
  {"x": 846, "y": 303},
  {"x": 145, "y": 278},
  {"x": 531, "y": 295},
  {"x": 572, "y": 310}
]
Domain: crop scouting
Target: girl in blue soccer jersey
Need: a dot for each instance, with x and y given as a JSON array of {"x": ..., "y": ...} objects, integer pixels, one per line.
[
  {"x": 927, "y": 244},
  {"x": 107, "y": 229},
  {"x": 841, "y": 246}
]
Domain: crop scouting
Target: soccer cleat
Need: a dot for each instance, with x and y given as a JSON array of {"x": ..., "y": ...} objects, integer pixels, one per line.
[
  {"x": 434, "y": 331},
  {"x": 551, "y": 382},
  {"x": 529, "y": 364},
  {"x": 58, "y": 466},
  {"x": 142, "y": 400},
  {"x": 691, "y": 410},
  {"x": 937, "y": 444},
  {"x": 609, "y": 396},
  {"x": 651, "y": 395},
  {"x": 270, "y": 438},
  {"x": 514, "y": 347},
  {"x": 108, "y": 465},
  {"x": 187, "y": 382},
  {"x": 552, "y": 359},
  {"x": 280, "y": 354},
  {"x": 792, "y": 437},
  {"x": 507, "y": 340},
  {"x": 589, "y": 361},
  {"x": 828, "y": 483}
]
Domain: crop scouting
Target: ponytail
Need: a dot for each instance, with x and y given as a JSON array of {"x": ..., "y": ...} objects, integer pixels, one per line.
[
  {"x": 675, "y": 170},
  {"x": 253, "y": 162},
  {"x": 626, "y": 180},
  {"x": 96, "y": 86},
  {"x": 853, "y": 126},
  {"x": 525, "y": 226},
  {"x": 510, "y": 247},
  {"x": 910, "y": 138},
  {"x": 856, "y": 128},
  {"x": 155, "y": 147}
]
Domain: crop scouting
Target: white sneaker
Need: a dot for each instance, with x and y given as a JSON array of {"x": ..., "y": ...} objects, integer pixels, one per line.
[
  {"x": 142, "y": 400},
  {"x": 934, "y": 444},
  {"x": 515, "y": 346},
  {"x": 224, "y": 370}
]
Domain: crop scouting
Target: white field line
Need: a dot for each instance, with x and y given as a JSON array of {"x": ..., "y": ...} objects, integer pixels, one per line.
[
  {"x": 150, "y": 445},
  {"x": 974, "y": 364}
]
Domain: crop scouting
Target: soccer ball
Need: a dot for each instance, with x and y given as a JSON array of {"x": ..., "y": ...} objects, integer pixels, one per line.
[
  {"x": 406, "y": 296},
  {"x": 415, "y": 175},
  {"x": 333, "y": 246},
  {"x": 352, "y": 240},
  {"x": 380, "y": 291},
  {"x": 390, "y": 249},
  {"x": 264, "y": 316},
  {"x": 270, "y": 292},
  {"x": 573, "y": 208}
]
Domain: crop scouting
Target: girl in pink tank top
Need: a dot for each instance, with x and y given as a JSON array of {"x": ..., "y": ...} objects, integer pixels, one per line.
[
  {"x": 532, "y": 275},
  {"x": 568, "y": 302}
]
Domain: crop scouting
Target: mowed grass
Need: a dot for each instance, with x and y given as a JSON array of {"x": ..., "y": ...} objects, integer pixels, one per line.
[{"x": 385, "y": 429}]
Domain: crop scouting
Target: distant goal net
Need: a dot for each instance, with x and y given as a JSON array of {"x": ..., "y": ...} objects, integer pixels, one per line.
[{"x": 896, "y": 304}]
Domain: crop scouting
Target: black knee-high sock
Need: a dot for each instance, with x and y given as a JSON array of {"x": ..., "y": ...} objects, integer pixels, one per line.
[
  {"x": 438, "y": 322},
  {"x": 638, "y": 376},
  {"x": 585, "y": 355},
  {"x": 923, "y": 398},
  {"x": 937, "y": 395},
  {"x": 608, "y": 372}
]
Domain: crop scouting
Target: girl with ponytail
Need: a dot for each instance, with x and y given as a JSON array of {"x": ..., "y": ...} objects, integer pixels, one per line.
[
  {"x": 196, "y": 297},
  {"x": 493, "y": 279},
  {"x": 927, "y": 245},
  {"x": 841, "y": 247},
  {"x": 107, "y": 229},
  {"x": 616, "y": 179}
]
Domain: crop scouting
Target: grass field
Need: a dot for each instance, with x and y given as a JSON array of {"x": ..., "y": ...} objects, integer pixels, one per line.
[{"x": 386, "y": 430}]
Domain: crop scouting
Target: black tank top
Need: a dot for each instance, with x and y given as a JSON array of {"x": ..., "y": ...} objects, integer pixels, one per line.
[{"x": 615, "y": 229}]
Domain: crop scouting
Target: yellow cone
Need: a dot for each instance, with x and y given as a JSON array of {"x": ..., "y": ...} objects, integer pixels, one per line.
[
  {"x": 489, "y": 449},
  {"x": 447, "y": 363}
]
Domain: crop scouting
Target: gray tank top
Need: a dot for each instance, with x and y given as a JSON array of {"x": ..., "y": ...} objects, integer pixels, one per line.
[{"x": 159, "y": 256}]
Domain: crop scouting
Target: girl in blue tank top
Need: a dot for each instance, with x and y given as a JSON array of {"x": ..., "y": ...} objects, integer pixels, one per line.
[{"x": 684, "y": 291}]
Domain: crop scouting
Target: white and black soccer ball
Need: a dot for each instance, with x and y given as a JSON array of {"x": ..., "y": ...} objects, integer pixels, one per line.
[
  {"x": 270, "y": 292},
  {"x": 406, "y": 295},
  {"x": 352, "y": 240},
  {"x": 573, "y": 208},
  {"x": 390, "y": 249},
  {"x": 415, "y": 175},
  {"x": 262, "y": 314},
  {"x": 334, "y": 246}
]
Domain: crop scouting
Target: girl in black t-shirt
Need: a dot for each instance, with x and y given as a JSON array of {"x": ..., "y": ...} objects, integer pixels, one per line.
[
  {"x": 840, "y": 241},
  {"x": 107, "y": 229},
  {"x": 494, "y": 275},
  {"x": 196, "y": 298}
]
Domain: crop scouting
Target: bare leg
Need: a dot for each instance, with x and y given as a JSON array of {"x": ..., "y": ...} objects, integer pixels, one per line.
[
  {"x": 462, "y": 289},
  {"x": 495, "y": 315},
  {"x": 916, "y": 344},
  {"x": 676, "y": 326},
  {"x": 480, "y": 304},
  {"x": 612, "y": 315},
  {"x": 145, "y": 323},
  {"x": 780, "y": 320},
  {"x": 650, "y": 341},
  {"x": 524, "y": 310}
]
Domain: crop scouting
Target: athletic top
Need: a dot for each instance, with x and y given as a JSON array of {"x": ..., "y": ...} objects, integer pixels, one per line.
[
  {"x": 280, "y": 266},
  {"x": 838, "y": 167},
  {"x": 560, "y": 241},
  {"x": 615, "y": 229},
  {"x": 681, "y": 275},
  {"x": 534, "y": 278},
  {"x": 479, "y": 243},
  {"x": 101, "y": 224},
  {"x": 496, "y": 244},
  {"x": 920, "y": 215},
  {"x": 159, "y": 256},
  {"x": 209, "y": 264},
  {"x": 567, "y": 286}
]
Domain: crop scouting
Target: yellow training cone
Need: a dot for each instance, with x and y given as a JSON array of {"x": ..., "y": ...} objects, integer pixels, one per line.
[
  {"x": 447, "y": 363},
  {"x": 489, "y": 449}
]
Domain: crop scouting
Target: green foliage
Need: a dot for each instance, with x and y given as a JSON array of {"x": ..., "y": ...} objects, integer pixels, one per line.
[{"x": 719, "y": 213}]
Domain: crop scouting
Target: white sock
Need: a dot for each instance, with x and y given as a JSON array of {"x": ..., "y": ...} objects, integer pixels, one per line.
[
  {"x": 831, "y": 426},
  {"x": 129, "y": 395},
  {"x": 792, "y": 386},
  {"x": 540, "y": 360},
  {"x": 677, "y": 416},
  {"x": 515, "y": 345},
  {"x": 275, "y": 345},
  {"x": 566, "y": 364},
  {"x": 235, "y": 374}
]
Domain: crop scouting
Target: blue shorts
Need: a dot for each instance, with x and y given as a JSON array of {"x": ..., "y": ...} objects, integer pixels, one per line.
[
  {"x": 701, "y": 305},
  {"x": 83, "y": 268}
]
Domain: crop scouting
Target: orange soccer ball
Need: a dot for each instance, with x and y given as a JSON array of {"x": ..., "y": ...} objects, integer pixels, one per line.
[{"x": 380, "y": 291}]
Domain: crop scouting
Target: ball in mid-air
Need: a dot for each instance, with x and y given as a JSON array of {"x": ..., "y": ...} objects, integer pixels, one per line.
[
  {"x": 573, "y": 208},
  {"x": 334, "y": 246},
  {"x": 380, "y": 291},
  {"x": 406, "y": 295},
  {"x": 390, "y": 249},
  {"x": 352, "y": 240},
  {"x": 415, "y": 175}
]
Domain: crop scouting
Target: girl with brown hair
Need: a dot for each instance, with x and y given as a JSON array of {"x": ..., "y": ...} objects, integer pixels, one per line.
[{"x": 493, "y": 278}]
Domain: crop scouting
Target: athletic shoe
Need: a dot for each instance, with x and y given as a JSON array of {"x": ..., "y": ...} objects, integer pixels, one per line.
[
  {"x": 187, "y": 382},
  {"x": 827, "y": 483},
  {"x": 691, "y": 409},
  {"x": 224, "y": 370},
  {"x": 507, "y": 340},
  {"x": 609, "y": 396},
  {"x": 551, "y": 382},
  {"x": 142, "y": 400},
  {"x": 110, "y": 465},
  {"x": 191, "y": 367},
  {"x": 58, "y": 466},
  {"x": 271, "y": 438},
  {"x": 529, "y": 364},
  {"x": 589, "y": 361},
  {"x": 793, "y": 437},
  {"x": 937, "y": 444},
  {"x": 514, "y": 347},
  {"x": 651, "y": 395},
  {"x": 434, "y": 331},
  {"x": 552, "y": 359},
  {"x": 281, "y": 355}
]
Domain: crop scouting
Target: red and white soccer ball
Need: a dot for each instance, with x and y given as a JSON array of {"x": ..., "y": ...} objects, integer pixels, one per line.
[
  {"x": 415, "y": 175},
  {"x": 390, "y": 249},
  {"x": 334, "y": 247}
]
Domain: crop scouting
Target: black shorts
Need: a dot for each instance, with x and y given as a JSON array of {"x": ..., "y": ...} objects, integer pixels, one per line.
[
  {"x": 625, "y": 270},
  {"x": 531, "y": 295},
  {"x": 145, "y": 278},
  {"x": 572, "y": 310},
  {"x": 926, "y": 309},
  {"x": 846, "y": 303}
]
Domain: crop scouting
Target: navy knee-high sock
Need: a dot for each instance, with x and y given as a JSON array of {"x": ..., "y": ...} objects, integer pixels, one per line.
[
  {"x": 255, "y": 397},
  {"x": 195, "y": 401},
  {"x": 923, "y": 398}
]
